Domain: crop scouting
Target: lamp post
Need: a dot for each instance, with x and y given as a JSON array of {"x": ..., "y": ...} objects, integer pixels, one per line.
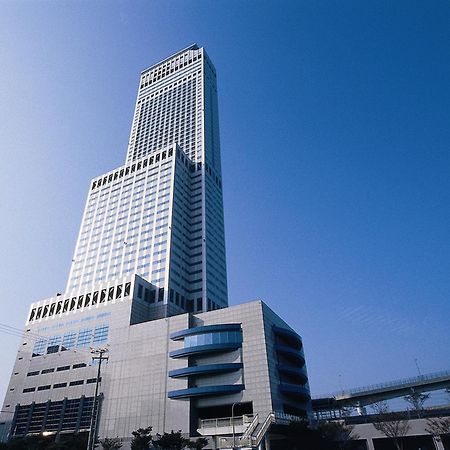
[{"x": 232, "y": 423}]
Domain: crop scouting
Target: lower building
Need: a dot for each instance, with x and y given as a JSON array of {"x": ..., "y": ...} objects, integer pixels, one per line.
[{"x": 190, "y": 372}]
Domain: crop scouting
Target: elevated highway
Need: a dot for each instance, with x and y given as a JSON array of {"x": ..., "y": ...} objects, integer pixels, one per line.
[{"x": 367, "y": 395}]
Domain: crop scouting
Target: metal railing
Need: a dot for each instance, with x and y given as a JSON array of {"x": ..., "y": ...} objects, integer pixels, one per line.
[
  {"x": 263, "y": 430},
  {"x": 249, "y": 430},
  {"x": 223, "y": 422},
  {"x": 284, "y": 417},
  {"x": 389, "y": 384}
]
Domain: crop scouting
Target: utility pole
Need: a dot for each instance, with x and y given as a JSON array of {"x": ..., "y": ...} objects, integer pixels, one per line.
[{"x": 97, "y": 354}]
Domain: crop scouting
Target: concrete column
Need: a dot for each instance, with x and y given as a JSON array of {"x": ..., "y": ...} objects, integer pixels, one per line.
[
  {"x": 370, "y": 445},
  {"x": 267, "y": 441},
  {"x": 437, "y": 441},
  {"x": 360, "y": 410},
  {"x": 44, "y": 421}
]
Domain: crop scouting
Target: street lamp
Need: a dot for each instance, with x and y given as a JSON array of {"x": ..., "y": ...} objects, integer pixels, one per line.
[{"x": 232, "y": 423}]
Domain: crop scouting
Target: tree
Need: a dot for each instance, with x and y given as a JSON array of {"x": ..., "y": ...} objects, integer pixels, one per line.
[
  {"x": 111, "y": 443},
  {"x": 198, "y": 444},
  {"x": 391, "y": 424},
  {"x": 141, "y": 439},
  {"x": 171, "y": 441},
  {"x": 416, "y": 400},
  {"x": 339, "y": 432},
  {"x": 437, "y": 426}
]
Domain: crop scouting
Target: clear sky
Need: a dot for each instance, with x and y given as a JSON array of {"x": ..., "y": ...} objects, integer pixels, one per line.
[{"x": 335, "y": 138}]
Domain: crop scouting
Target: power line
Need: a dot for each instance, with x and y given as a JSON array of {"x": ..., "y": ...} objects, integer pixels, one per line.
[{"x": 29, "y": 335}]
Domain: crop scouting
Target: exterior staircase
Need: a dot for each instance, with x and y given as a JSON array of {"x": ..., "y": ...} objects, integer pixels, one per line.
[{"x": 252, "y": 436}]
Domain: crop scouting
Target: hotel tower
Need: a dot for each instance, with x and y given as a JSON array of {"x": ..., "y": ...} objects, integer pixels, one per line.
[
  {"x": 161, "y": 214},
  {"x": 148, "y": 285}
]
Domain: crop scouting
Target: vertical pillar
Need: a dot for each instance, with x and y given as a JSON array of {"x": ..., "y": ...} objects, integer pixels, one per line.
[
  {"x": 80, "y": 413},
  {"x": 44, "y": 420},
  {"x": 61, "y": 419},
  {"x": 12, "y": 430},
  {"x": 437, "y": 441},
  {"x": 361, "y": 410},
  {"x": 30, "y": 416},
  {"x": 267, "y": 441},
  {"x": 370, "y": 445}
]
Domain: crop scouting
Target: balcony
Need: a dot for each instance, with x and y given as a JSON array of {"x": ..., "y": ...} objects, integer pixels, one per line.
[
  {"x": 293, "y": 372},
  {"x": 292, "y": 354},
  {"x": 178, "y": 335},
  {"x": 291, "y": 338},
  {"x": 203, "y": 349},
  {"x": 294, "y": 390},
  {"x": 206, "y": 391},
  {"x": 224, "y": 425},
  {"x": 207, "y": 369}
]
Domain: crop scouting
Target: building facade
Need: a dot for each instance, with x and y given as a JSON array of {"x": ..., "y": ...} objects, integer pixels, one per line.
[
  {"x": 181, "y": 372},
  {"x": 161, "y": 214},
  {"x": 148, "y": 285}
]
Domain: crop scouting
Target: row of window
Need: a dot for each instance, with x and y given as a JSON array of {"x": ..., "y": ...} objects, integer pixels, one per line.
[
  {"x": 65, "y": 415},
  {"x": 168, "y": 68},
  {"x": 149, "y": 294},
  {"x": 220, "y": 337},
  {"x": 81, "y": 339},
  {"x": 46, "y": 387},
  {"x": 57, "y": 369},
  {"x": 130, "y": 169},
  {"x": 62, "y": 306}
]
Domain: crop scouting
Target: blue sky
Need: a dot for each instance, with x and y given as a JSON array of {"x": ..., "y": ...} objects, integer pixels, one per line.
[{"x": 335, "y": 146}]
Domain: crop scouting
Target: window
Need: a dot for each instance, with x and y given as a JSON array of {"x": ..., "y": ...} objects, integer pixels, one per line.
[
  {"x": 101, "y": 334},
  {"x": 43, "y": 388},
  {"x": 39, "y": 347},
  {"x": 93, "y": 380},
  {"x": 62, "y": 368},
  {"x": 84, "y": 338},
  {"x": 31, "y": 389},
  {"x": 53, "y": 344},
  {"x": 48, "y": 371},
  {"x": 59, "y": 385},
  {"x": 32, "y": 314},
  {"x": 79, "y": 365},
  {"x": 32, "y": 374},
  {"x": 68, "y": 341},
  {"x": 76, "y": 383},
  {"x": 221, "y": 337},
  {"x": 66, "y": 305}
]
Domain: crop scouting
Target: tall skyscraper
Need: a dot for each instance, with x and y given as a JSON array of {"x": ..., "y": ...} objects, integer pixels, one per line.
[
  {"x": 148, "y": 286},
  {"x": 160, "y": 216}
]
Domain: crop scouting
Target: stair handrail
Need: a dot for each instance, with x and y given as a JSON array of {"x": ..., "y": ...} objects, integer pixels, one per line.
[
  {"x": 249, "y": 430},
  {"x": 256, "y": 440}
]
